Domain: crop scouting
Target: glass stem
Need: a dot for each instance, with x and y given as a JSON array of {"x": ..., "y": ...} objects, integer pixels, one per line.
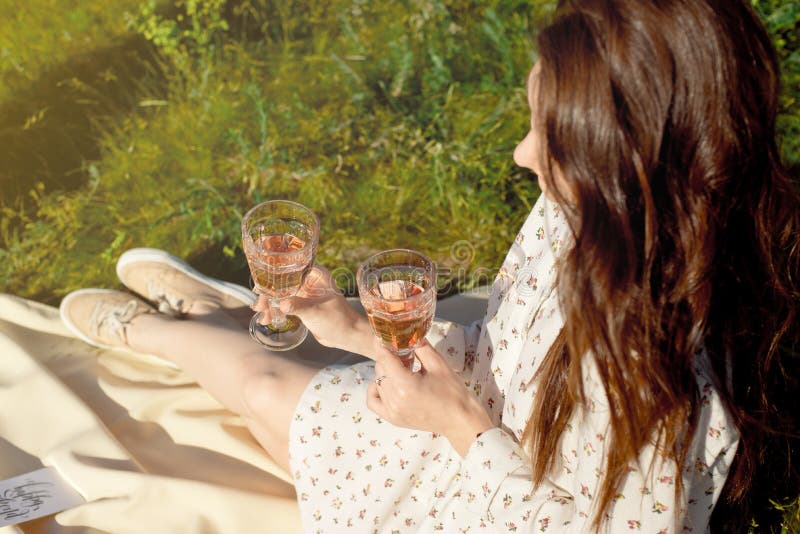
[{"x": 278, "y": 317}]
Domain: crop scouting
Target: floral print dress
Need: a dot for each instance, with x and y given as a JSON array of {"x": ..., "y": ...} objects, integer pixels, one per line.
[{"x": 355, "y": 472}]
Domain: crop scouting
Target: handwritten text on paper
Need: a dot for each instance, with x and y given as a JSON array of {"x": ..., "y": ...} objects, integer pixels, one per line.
[{"x": 35, "y": 494}]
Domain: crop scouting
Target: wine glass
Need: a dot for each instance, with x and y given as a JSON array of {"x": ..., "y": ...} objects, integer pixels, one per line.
[
  {"x": 279, "y": 239},
  {"x": 398, "y": 291}
]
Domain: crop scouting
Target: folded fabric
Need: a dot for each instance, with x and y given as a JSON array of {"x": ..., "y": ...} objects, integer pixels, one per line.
[{"x": 144, "y": 445}]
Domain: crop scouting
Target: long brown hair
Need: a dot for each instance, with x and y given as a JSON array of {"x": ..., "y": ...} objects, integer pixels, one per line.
[{"x": 661, "y": 117}]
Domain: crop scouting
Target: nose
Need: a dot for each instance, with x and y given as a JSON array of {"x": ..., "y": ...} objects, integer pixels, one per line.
[{"x": 524, "y": 153}]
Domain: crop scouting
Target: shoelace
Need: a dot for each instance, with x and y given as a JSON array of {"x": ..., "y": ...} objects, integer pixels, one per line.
[
  {"x": 166, "y": 303},
  {"x": 109, "y": 321}
]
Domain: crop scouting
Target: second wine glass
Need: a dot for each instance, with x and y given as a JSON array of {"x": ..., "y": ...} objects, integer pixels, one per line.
[
  {"x": 280, "y": 239},
  {"x": 398, "y": 291}
]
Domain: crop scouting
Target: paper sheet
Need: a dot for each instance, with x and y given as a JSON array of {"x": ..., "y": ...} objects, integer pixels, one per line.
[{"x": 35, "y": 494}]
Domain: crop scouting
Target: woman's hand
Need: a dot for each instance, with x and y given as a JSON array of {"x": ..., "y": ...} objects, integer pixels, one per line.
[
  {"x": 434, "y": 399},
  {"x": 319, "y": 303}
]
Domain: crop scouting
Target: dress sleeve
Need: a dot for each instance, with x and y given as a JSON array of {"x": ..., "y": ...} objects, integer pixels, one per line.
[
  {"x": 457, "y": 343},
  {"x": 497, "y": 487},
  {"x": 496, "y": 480}
]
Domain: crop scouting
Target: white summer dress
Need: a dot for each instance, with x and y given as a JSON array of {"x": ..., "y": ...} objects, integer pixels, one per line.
[{"x": 354, "y": 472}]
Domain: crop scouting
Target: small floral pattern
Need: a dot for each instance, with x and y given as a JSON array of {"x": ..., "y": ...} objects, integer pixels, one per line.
[{"x": 355, "y": 472}]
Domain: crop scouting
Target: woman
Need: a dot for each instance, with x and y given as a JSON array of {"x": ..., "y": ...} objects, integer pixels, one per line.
[{"x": 620, "y": 375}]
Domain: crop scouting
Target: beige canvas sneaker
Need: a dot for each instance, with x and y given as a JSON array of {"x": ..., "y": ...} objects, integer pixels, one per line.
[
  {"x": 100, "y": 316},
  {"x": 173, "y": 286}
]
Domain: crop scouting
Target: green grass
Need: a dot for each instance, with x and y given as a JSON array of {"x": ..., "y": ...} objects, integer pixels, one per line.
[
  {"x": 384, "y": 133},
  {"x": 782, "y": 19},
  {"x": 38, "y": 35},
  {"x": 387, "y": 120}
]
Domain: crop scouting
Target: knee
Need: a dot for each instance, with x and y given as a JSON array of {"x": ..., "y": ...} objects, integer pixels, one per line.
[{"x": 258, "y": 394}]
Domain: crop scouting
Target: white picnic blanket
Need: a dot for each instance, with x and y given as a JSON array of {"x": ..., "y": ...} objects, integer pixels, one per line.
[{"x": 145, "y": 446}]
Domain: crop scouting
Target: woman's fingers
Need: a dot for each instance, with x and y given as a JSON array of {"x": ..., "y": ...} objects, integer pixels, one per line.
[
  {"x": 290, "y": 305},
  {"x": 429, "y": 357},
  {"x": 318, "y": 283},
  {"x": 389, "y": 363},
  {"x": 374, "y": 401},
  {"x": 262, "y": 305}
]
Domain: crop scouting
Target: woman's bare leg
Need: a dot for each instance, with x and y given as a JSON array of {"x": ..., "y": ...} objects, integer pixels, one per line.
[{"x": 262, "y": 386}]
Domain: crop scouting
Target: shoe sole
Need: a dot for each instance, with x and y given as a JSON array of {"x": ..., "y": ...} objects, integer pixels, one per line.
[
  {"x": 134, "y": 255},
  {"x": 80, "y": 335}
]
